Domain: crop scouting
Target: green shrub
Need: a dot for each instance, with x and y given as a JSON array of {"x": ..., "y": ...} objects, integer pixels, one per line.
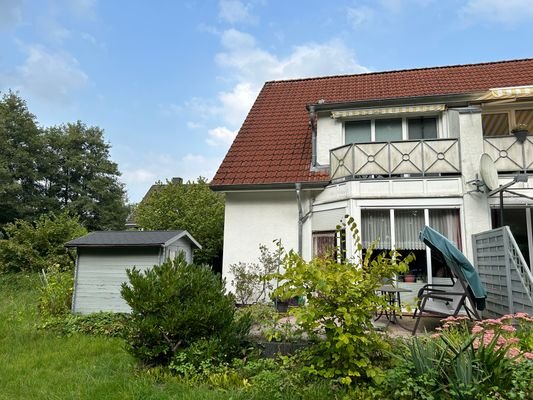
[
  {"x": 96, "y": 324},
  {"x": 55, "y": 295},
  {"x": 175, "y": 305},
  {"x": 253, "y": 282},
  {"x": 341, "y": 300},
  {"x": 33, "y": 247}
]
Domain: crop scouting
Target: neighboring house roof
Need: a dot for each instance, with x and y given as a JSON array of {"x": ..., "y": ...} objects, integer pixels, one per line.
[
  {"x": 274, "y": 144},
  {"x": 131, "y": 221},
  {"x": 130, "y": 239}
]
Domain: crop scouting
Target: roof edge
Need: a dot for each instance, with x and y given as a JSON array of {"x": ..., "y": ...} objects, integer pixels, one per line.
[
  {"x": 269, "y": 186},
  {"x": 394, "y": 71}
]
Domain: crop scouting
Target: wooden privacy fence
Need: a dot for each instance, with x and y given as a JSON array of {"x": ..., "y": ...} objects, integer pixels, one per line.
[{"x": 504, "y": 273}]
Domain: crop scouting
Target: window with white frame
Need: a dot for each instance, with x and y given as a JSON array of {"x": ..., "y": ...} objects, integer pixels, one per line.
[
  {"x": 385, "y": 229},
  {"x": 390, "y": 129}
]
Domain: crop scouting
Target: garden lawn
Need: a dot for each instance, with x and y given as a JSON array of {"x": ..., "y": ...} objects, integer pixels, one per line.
[{"x": 37, "y": 364}]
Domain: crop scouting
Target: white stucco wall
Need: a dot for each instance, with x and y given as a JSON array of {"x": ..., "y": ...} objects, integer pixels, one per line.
[
  {"x": 329, "y": 136},
  {"x": 476, "y": 211},
  {"x": 254, "y": 218}
]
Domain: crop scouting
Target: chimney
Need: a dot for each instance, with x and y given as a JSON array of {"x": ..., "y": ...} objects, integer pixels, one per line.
[{"x": 177, "y": 180}]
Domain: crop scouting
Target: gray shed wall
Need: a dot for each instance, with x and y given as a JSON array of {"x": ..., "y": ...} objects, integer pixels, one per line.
[{"x": 100, "y": 273}]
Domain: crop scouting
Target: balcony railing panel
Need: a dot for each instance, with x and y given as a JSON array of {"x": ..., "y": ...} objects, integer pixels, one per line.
[
  {"x": 508, "y": 154},
  {"x": 414, "y": 157}
]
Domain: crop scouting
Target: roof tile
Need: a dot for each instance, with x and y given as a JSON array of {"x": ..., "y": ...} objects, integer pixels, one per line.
[{"x": 274, "y": 142}]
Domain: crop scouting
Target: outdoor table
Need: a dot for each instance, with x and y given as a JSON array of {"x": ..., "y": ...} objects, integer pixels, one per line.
[{"x": 393, "y": 296}]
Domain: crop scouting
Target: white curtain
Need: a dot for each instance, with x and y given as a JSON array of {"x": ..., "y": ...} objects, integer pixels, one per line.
[
  {"x": 376, "y": 227},
  {"x": 407, "y": 226},
  {"x": 447, "y": 222}
]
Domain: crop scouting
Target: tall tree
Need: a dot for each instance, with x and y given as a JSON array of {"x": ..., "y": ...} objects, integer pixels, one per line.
[
  {"x": 20, "y": 172},
  {"x": 192, "y": 206},
  {"x": 82, "y": 178}
]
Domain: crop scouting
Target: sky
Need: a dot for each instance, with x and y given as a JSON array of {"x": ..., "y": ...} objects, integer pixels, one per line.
[{"x": 170, "y": 82}]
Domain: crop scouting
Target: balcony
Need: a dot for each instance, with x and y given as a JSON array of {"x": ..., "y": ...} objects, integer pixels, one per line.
[
  {"x": 396, "y": 159},
  {"x": 508, "y": 154}
]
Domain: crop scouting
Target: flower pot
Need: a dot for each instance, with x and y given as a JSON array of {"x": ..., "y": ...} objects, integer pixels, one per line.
[
  {"x": 409, "y": 278},
  {"x": 521, "y": 135}
]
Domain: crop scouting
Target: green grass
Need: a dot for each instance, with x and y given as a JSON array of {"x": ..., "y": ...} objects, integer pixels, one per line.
[
  {"x": 37, "y": 364},
  {"x": 42, "y": 364}
]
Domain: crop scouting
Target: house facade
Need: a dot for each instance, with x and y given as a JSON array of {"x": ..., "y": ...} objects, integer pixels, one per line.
[{"x": 396, "y": 150}]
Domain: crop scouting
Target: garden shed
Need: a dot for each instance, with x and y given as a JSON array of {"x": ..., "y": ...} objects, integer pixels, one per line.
[{"x": 103, "y": 257}]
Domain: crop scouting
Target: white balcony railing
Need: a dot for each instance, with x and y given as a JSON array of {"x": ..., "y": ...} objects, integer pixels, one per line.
[
  {"x": 395, "y": 159},
  {"x": 509, "y": 154}
]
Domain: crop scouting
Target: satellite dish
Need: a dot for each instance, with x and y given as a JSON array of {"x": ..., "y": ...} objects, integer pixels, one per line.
[{"x": 488, "y": 172}]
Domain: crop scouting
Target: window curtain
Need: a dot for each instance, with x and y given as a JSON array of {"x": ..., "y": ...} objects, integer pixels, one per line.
[
  {"x": 376, "y": 227},
  {"x": 407, "y": 226},
  {"x": 448, "y": 223},
  {"x": 323, "y": 243}
]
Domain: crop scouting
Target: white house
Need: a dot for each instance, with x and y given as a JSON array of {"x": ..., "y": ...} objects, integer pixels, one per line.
[
  {"x": 396, "y": 150},
  {"x": 103, "y": 258}
]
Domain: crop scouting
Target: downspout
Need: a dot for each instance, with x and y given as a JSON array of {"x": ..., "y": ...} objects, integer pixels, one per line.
[
  {"x": 298, "y": 187},
  {"x": 312, "y": 123}
]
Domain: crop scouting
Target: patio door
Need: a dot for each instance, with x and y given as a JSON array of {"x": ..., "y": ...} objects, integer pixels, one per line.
[{"x": 399, "y": 229}]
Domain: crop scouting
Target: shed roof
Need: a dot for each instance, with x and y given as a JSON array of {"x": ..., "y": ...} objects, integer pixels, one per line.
[
  {"x": 273, "y": 146},
  {"x": 130, "y": 239}
]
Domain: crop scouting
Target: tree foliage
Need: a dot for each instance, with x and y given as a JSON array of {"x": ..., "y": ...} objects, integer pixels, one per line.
[
  {"x": 192, "y": 206},
  {"x": 342, "y": 300},
  {"x": 64, "y": 167},
  {"x": 175, "y": 305},
  {"x": 36, "y": 247}
]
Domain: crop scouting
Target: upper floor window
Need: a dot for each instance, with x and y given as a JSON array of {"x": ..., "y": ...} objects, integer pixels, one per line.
[
  {"x": 390, "y": 129},
  {"x": 500, "y": 123}
]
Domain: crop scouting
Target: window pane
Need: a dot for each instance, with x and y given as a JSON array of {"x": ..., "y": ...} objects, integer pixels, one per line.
[
  {"x": 495, "y": 124},
  {"x": 447, "y": 222},
  {"x": 375, "y": 226},
  {"x": 323, "y": 244},
  {"x": 422, "y": 128},
  {"x": 388, "y": 130},
  {"x": 407, "y": 226},
  {"x": 525, "y": 117},
  {"x": 357, "y": 132}
]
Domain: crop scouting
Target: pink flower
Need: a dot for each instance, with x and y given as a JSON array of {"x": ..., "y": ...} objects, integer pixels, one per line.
[
  {"x": 435, "y": 336},
  {"x": 477, "y": 329},
  {"x": 508, "y": 328},
  {"x": 513, "y": 352},
  {"x": 521, "y": 315},
  {"x": 528, "y": 355}
]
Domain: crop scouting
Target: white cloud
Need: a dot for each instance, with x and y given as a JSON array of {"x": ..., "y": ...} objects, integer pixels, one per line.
[
  {"x": 234, "y": 11},
  {"x": 137, "y": 176},
  {"x": 359, "y": 17},
  {"x": 248, "y": 66},
  {"x": 83, "y": 8},
  {"x": 10, "y": 13},
  {"x": 235, "y": 104},
  {"x": 220, "y": 136},
  {"x": 48, "y": 75},
  {"x": 502, "y": 11}
]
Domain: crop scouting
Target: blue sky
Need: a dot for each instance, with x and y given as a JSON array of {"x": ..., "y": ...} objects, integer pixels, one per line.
[{"x": 170, "y": 82}]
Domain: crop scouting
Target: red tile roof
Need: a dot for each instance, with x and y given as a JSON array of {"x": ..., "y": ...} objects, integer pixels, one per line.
[{"x": 273, "y": 145}]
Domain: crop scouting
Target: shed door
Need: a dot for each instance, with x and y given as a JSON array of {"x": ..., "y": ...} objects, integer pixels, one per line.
[{"x": 100, "y": 274}]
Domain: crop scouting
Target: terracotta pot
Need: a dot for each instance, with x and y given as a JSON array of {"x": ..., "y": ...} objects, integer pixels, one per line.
[{"x": 409, "y": 278}]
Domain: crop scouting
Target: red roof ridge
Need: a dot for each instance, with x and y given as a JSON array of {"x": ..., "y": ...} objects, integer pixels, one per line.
[{"x": 395, "y": 71}]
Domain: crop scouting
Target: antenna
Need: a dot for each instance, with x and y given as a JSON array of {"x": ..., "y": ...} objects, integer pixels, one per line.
[{"x": 488, "y": 172}]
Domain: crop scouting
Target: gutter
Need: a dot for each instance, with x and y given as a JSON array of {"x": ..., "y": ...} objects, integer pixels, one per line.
[
  {"x": 301, "y": 217},
  {"x": 269, "y": 186},
  {"x": 451, "y": 100}
]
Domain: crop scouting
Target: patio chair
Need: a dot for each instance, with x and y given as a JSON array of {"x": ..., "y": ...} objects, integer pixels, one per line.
[{"x": 465, "y": 291}]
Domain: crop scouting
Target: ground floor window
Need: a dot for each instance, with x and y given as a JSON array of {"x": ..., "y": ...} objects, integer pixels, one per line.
[
  {"x": 329, "y": 244},
  {"x": 399, "y": 229}
]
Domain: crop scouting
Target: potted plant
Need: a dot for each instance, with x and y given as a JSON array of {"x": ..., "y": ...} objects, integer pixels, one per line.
[
  {"x": 520, "y": 131},
  {"x": 409, "y": 277}
]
